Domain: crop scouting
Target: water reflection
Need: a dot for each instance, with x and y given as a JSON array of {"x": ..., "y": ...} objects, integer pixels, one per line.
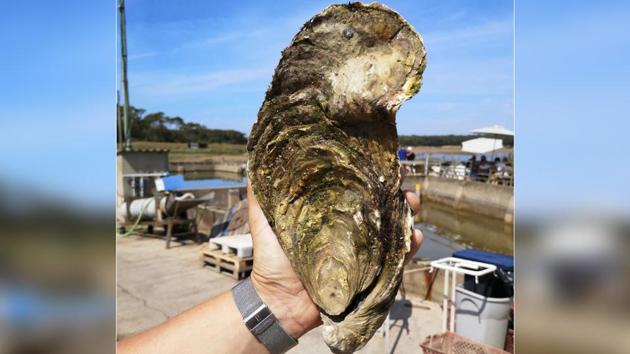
[{"x": 446, "y": 231}]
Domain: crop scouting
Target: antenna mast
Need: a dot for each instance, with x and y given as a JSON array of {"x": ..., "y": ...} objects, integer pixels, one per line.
[{"x": 125, "y": 86}]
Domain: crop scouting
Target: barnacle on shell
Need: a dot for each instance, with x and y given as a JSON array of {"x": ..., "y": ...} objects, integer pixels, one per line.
[{"x": 323, "y": 164}]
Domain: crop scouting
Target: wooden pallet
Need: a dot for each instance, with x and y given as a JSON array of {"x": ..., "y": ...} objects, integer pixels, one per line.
[{"x": 236, "y": 267}]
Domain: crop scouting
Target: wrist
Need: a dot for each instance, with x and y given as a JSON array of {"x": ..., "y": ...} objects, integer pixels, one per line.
[{"x": 286, "y": 307}]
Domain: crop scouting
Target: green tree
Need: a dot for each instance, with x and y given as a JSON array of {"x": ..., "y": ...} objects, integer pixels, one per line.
[{"x": 162, "y": 128}]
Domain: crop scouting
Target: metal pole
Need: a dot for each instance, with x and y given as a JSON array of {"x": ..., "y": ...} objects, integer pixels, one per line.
[
  {"x": 120, "y": 138},
  {"x": 452, "y": 308},
  {"x": 494, "y": 146},
  {"x": 426, "y": 164},
  {"x": 387, "y": 333},
  {"x": 445, "y": 301},
  {"x": 125, "y": 86}
]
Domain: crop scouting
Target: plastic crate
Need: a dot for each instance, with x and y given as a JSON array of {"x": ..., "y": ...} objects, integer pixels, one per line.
[{"x": 451, "y": 343}]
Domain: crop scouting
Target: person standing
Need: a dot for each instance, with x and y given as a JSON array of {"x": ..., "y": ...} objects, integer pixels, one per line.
[
  {"x": 410, "y": 154},
  {"x": 402, "y": 154},
  {"x": 499, "y": 165},
  {"x": 473, "y": 166},
  {"x": 484, "y": 169}
]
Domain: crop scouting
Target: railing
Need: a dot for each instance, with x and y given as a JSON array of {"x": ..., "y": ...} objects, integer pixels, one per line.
[
  {"x": 453, "y": 266},
  {"x": 503, "y": 175}
]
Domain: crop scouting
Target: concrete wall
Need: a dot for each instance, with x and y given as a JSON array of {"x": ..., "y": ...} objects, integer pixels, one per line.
[
  {"x": 140, "y": 161},
  {"x": 221, "y": 197},
  {"x": 480, "y": 198}
]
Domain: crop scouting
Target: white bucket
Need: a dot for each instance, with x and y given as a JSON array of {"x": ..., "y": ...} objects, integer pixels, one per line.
[{"x": 482, "y": 319}]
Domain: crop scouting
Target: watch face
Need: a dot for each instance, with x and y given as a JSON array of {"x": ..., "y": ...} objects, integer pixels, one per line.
[{"x": 259, "y": 320}]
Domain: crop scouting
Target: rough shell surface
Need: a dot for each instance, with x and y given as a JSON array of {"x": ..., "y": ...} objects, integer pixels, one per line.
[{"x": 323, "y": 164}]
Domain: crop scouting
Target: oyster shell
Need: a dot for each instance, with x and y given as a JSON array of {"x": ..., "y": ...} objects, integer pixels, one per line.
[{"x": 323, "y": 164}]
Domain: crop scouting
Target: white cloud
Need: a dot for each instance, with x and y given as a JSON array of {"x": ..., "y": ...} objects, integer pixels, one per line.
[
  {"x": 162, "y": 84},
  {"x": 223, "y": 38},
  {"x": 485, "y": 32}
]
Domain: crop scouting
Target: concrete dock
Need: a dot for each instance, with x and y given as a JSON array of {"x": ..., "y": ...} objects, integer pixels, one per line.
[
  {"x": 483, "y": 199},
  {"x": 154, "y": 284}
]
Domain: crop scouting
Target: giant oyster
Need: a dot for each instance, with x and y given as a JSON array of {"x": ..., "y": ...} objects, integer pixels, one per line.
[{"x": 323, "y": 164}]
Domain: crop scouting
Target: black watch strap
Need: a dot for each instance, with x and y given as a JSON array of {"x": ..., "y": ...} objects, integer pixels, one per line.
[{"x": 259, "y": 319}]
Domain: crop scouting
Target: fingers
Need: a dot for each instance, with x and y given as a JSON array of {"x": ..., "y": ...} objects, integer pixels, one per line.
[
  {"x": 257, "y": 220},
  {"x": 413, "y": 201},
  {"x": 416, "y": 235},
  {"x": 252, "y": 203},
  {"x": 403, "y": 173},
  {"x": 416, "y": 242}
]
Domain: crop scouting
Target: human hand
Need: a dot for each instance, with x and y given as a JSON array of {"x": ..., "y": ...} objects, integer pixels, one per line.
[{"x": 275, "y": 281}]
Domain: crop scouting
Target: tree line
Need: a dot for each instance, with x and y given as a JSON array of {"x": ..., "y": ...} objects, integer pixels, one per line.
[{"x": 159, "y": 127}]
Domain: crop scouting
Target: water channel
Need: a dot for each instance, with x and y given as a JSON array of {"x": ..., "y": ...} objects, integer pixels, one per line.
[{"x": 445, "y": 230}]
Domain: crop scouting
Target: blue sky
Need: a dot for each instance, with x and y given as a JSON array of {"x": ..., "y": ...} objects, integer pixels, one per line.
[
  {"x": 58, "y": 69},
  {"x": 211, "y": 62},
  {"x": 572, "y": 105},
  {"x": 206, "y": 63}
]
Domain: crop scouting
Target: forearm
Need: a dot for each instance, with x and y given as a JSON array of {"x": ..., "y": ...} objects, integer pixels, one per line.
[{"x": 215, "y": 326}]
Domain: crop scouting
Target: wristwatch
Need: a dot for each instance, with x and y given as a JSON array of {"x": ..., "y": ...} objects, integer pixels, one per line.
[{"x": 259, "y": 319}]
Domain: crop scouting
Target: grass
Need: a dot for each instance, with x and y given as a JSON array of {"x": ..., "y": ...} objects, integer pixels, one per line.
[{"x": 181, "y": 152}]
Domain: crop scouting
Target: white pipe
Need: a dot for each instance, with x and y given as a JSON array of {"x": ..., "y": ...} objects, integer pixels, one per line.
[
  {"x": 144, "y": 206},
  {"x": 445, "y": 301},
  {"x": 452, "y": 324},
  {"x": 141, "y": 187},
  {"x": 459, "y": 265},
  {"x": 387, "y": 333},
  {"x": 451, "y": 267}
]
